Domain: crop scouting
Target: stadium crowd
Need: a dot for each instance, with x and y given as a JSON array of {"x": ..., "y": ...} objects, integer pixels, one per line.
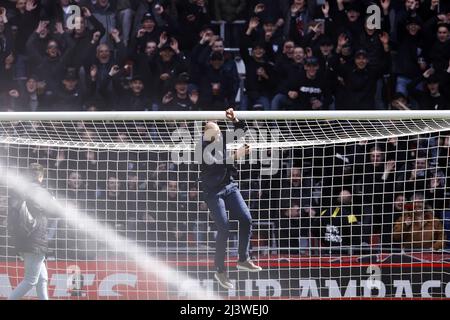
[{"x": 148, "y": 55}]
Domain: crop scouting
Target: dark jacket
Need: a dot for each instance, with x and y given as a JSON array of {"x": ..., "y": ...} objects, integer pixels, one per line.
[
  {"x": 409, "y": 50},
  {"x": 37, "y": 241},
  {"x": 360, "y": 85},
  {"x": 317, "y": 88},
  {"x": 229, "y": 10},
  {"x": 424, "y": 98},
  {"x": 220, "y": 171}
]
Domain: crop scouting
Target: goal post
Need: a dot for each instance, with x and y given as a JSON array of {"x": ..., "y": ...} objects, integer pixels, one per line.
[{"x": 348, "y": 204}]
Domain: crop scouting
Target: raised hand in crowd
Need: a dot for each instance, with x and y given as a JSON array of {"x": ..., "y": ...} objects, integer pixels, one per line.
[
  {"x": 260, "y": 7},
  {"x": 30, "y": 5},
  {"x": 115, "y": 35},
  {"x": 115, "y": 69},
  {"x": 86, "y": 12},
  {"x": 59, "y": 28},
  {"x": 96, "y": 37}
]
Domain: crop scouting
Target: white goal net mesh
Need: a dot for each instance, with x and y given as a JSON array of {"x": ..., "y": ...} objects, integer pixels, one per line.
[{"x": 341, "y": 207}]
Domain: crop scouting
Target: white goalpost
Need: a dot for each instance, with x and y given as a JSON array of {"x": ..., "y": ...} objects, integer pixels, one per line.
[{"x": 349, "y": 204}]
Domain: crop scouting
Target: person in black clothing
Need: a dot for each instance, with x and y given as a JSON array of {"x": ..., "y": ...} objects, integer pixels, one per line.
[
  {"x": 180, "y": 99},
  {"x": 69, "y": 96},
  {"x": 308, "y": 90},
  {"x": 296, "y": 67},
  {"x": 148, "y": 32},
  {"x": 433, "y": 97},
  {"x": 33, "y": 246},
  {"x": 340, "y": 224},
  {"x": 259, "y": 80},
  {"x": 221, "y": 192},
  {"x": 410, "y": 61},
  {"x": 136, "y": 98},
  {"x": 167, "y": 65},
  {"x": 51, "y": 66},
  {"x": 86, "y": 39},
  {"x": 359, "y": 81},
  {"x": 216, "y": 85}
]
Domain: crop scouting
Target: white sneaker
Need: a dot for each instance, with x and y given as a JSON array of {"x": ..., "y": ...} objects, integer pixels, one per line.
[
  {"x": 248, "y": 265},
  {"x": 223, "y": 280}
]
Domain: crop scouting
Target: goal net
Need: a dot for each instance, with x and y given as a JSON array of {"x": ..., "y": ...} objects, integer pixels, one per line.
[{"x": 344, "y": 204}]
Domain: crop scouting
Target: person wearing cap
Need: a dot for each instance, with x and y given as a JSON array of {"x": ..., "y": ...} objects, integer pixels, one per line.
[
  {"x": 349, "y": 18},
  {"x": 328, "y": 60},
  {"x": 135, "y": 98},
  {"x": 169, "y": 63},
  {"x": 31, "y": 97},
  {"x": 69, "y": 96},
  {"x": 309, "y": 90},
  {"x": 359, "y": 80},
  {"x": 148, "y": 31},
  {"x": 181, "y": 99},
  {"x": 202, "y": 52},
  {"x": 433, "y": 97},
  {"x": 259, "y": 80},
  {"x": 410, "y": 61},
  {"x": 216, "y": 85}
]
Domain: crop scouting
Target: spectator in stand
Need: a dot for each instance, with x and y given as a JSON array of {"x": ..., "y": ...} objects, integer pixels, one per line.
[
  {"x": 193, "y": 15},
  {"x": 168, "y": 65},
  {"x": 68, "y": 96},
  {"x": 340, "y": 225},
  {"x": 105, "y": 12},
  {"x": 389, "y": 217},
  {"x": 309, "y": 90},
  {"x": 148, "y": 31},
  {"x": 111, "y": 203},
  {"x": 86, "y": 39},
  {"x": 216, "y": 85},
  {"x": 410, "y": 61},
  {"x": 297, "y": 21},
  {"x": 142, "y": 61},
  {"x": 125, "y": 13},
  {"x": 359, "y": 81},
  {"x": 181, "y": 98},
  {"x": 418, "y": 228},
  {"x": 289, "y": 228},
  {"x": 260, "y": 79},
  {"x": 434, "y": 97},
  {"x": 104, "y": 67},
  {"x": 164, "y": 11},
  {"x": 285, "y": 72},
  {"x": 50, "y": 65},
  {"x": 439, "y": 50},
  {"x": 24, "y": 18},
  {"x": 31, "y": 97},
  {"x": 230, "y": 11},
  {"x": 6, "y": 53},
  {"x": 135, "y": 98}
]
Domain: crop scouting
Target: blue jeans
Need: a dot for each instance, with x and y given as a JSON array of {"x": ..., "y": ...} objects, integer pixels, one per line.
[
  {"x": 402, "y": 85},
  {"x": 35, "y": 275},
  {"x": 246, "y": 102},
  {"x": 229, "y": 198},
  {"x": 281, "y": 101}
]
